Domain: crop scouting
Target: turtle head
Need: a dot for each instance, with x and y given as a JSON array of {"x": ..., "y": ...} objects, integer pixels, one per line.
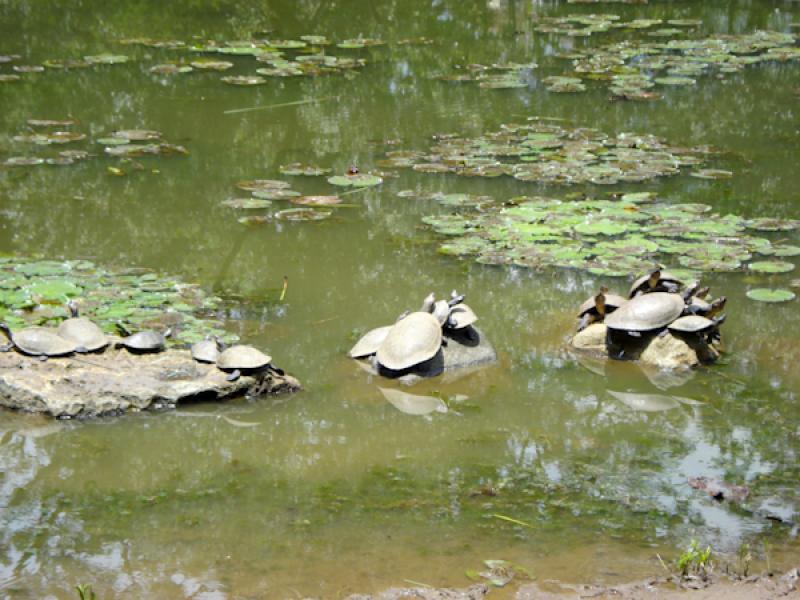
[
  {"x": 221, "y": 345},
  {"x": 718, "y": 305},
  {"x": 655, "y": 275},
  {"x": 600, "y": 302},
  {"x": 168, "y": 332},
  {"x": 427, "y": 304},
  {"x": 73, "y": 308}
]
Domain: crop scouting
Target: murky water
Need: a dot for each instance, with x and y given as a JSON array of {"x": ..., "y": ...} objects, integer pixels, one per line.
[{"x": 335, "y": 490}]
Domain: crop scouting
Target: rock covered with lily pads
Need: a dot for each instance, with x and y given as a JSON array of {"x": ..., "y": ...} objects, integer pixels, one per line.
[{"x": 117, "y": 382}]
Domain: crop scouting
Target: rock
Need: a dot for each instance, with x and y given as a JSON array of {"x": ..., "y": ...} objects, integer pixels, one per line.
[
  {"x": 591, "y": 338},
  {"x": 669, "y": 352},
  {"x": 720, "y": 490},
  {"x": 461, "y": 350},
  {"x": 117, "y": 381},
  {"x": 475, "y": 592}
]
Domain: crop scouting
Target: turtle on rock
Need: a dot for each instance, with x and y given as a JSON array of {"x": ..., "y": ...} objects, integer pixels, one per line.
[
  {"x": 655, "y": 281},
  {"x": 242, "y": 359},
  {"x": 595, "y": 308},
  {"x": 143, "y": 342},
  {"x": 412, "y": 340},
  {"x": 38, "y": 341},
  {"x": 81, "y": 331},
  {"x": 646, "y": 312},
  {"x": 207, "y": 350}
]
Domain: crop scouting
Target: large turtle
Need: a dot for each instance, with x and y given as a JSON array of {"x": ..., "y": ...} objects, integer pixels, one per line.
[
  {"x": 655, "y": 281},
  {"x": 646, "y": 312},
  {"x": 369, "y": 343},
  {"x": 412, "y": 340},
  {"x": 595, "y": 309},
  {"x": 81, "y": 331},
  {"x": 37, "y": 341},
  {"x": 241, "y": 359},
  {"x": 143, "y": 342}
]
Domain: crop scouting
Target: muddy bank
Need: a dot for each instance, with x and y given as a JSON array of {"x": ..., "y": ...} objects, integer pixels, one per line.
[
  {"x": 757, "y": 587},
  {"x": 117, "y": 381}
]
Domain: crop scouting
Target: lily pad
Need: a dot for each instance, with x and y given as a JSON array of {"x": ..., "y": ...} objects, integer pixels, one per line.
[
  {"x": 106, "y": 59},
  {"x": 317, "y": 200},
  {"x": 712, "y": 174},
  {"x": 357, "y": 180},
  {"x": 247, "y": 203},
  {"x": 770, "y": 295},
  {"x": 275, "y": 194},
  {"x": 244, "y": 80},
  {"x": 771, "y": 266},
  {"x": 302, "y": 214},
  {"x": 303, "y": 169},
  {"x": 254, "y": 185}
]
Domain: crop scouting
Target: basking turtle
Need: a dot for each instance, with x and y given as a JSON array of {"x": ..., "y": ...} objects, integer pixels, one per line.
[
  {"x": 369, "y": 343},
  {"x": 441, "y": 310},
  {"x": 655, "y": 281},
  {"x": 461, "y": 316},
  {"x": 81, "y": 331},
  {"x": 243, "y": 359},
  {"x": 698, "y": 306},
  {"x": 702, "y": 327},
  {"x": 144, "y": 341},
  {"x": 37, "y": 341},
  {"x": 595, "y": 309},
  {"x": 412, "y": 340},
  {"x": 456, "y": 298},
  {"x": 428, "y": 302},
  {"x": 207, "y": 350},
  {"x": 646, "y": 312}
]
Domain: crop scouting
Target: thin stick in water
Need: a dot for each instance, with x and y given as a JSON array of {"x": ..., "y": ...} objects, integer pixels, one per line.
[
  {"x": 285, "y": 287},
  {"x": 234, "y": 111}
]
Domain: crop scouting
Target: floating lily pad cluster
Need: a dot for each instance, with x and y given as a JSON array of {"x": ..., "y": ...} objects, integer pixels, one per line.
[
  {"x": 34, "y": 292},
  {"x": 310, "y": 207},
  {"x": 549, "y": 153},
  {"x": 126, "y": 143},
  {"x": 495, "y": 76},
  {"x": 306, "y": 56},
  {"x": 19, "y": 70},
  {"x": 633, "y": 68},
  {"x": 587, "y": 25},
  {"x": 610, "y": 237}
]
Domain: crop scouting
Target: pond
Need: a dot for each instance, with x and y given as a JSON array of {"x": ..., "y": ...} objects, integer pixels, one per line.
[{"x": 334, "y": 490}]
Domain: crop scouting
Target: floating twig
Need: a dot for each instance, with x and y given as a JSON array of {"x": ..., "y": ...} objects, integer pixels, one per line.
[
  {"x": 282, "y": 104},
  {"x": 285, "y": 287},
  {"x": 510, "y": 520}
]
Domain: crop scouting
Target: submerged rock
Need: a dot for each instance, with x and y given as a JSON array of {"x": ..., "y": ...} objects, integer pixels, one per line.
[
  {"x": 591, "y": 338},
  {"x": 475, "y": 592},
  {"x": 117, "y": 381},
  {"x": 669, "y": 352}
]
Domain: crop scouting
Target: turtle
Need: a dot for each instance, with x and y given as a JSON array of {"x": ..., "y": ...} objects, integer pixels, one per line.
[
  {"x": 703, "y": 327},
  {"x": 410, "y": 341},
  {"x": 441, "y": 310},
  {"x": 655, "y": 281},
  {"x": 369, "y": 343},
  {"x": 81, "y": 331},
  {"x": 646, "y": 312},
  {"x": 597, "y": 307},
  {"x": 207, "y": 350},
  {"x": 38, "y": 341},
  {"x": 240, "y": 359},
  {"x": 698, "y": 306},
  {"x": 461, "y": 316},
  {"x": 143, "y": 341},
  {"x": 456, "y": 298}
]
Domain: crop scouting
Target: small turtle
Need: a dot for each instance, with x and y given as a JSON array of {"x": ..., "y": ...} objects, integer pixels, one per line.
[
  {"x": 461, "y": 316},
  {"x": 698, "y": 306},
  {"x": 456, "y": 298},
  {"x": 207, "y": 350},
  {"x": 646, "y": 312},
  {"x": 37, "y": 341},
  {"x": 143, "y": 341},
  {"x": 243, "y": 359},
  {"x": 81, "y": 331},
  {"x": 595, "y": 309},
  {"x": 441, "y": 310},
  {"x": 703, "y": 327},
  {"x": 369, "y": 343},
  {"x": 655, "y": 281},
  {"x": 411, "y": 341}
]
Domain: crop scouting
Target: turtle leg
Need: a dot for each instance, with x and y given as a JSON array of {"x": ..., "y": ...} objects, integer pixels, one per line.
[
  {"x": 276, "y": 370},
  {"x": 82, "y": 350},
  {"x": 42, "y": 357},
  {"x": 234, "y": 375},
  {"x": 6, "y": 347},
  {"x": 584, "y": 322}
]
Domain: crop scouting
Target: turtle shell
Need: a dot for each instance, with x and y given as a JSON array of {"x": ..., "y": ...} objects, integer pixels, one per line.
[
  {"x": 412, "y": 340},
  {"x": 699, "y": 306},
  {"x": 369, "y": 343},
  {"x": 613, "y": 302},
  {"x": 83, "y": 332},
  {"x": 461, "y": 316},
  {"x": 41, "y": 341},
  {"x": 205, "y": 351},
  {"x": 641, "y": 281},
  {"x": 151, "y": 341},
  {"x": 646, "y": 312},
  {"x": 691, "y": 324},
  {"x": 242, "y": 357}
]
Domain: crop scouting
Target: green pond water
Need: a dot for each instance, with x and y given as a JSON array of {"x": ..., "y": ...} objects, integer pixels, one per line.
[{"x": 334, "y": 490}]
